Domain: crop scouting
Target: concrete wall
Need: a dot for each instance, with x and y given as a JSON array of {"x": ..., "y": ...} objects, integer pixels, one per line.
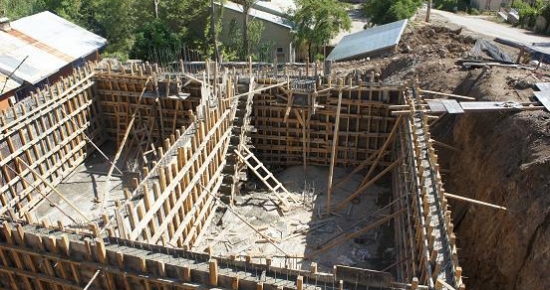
[{"x": 272, "y": 32}]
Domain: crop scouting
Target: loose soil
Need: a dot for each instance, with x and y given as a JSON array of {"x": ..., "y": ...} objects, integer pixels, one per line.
[{"x": 504, "y": 158}]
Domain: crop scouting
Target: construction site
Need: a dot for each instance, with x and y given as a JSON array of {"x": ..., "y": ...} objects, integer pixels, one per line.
[{"x": 417, "y": 169}]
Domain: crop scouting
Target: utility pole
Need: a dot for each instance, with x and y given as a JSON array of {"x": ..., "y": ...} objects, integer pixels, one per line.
[
  {"x": 213, "y": 30},
  {"x": 428, "y": 10}
]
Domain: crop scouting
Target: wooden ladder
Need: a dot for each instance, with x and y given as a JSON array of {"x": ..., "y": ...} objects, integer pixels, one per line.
[{"x": 250, "y": 159}]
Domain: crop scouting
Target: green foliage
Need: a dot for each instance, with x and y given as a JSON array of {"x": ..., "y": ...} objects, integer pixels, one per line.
[
  {"x": 205, "y": 44},
  {"x": 545, "y": 12},
  {"x": 528, "y": 13},
  {"x": 130, "y": 26},
  {"x": 15, "y": 9},
  {"x": 449, "y": 5},
  {"x": 235, "y": 49},
  {"x": 153, "y": 39},
  {"x": 319, "y": 57},
  {"x": 318, "y": 21},
  {"x": 387, "y": 11},
  {"x": 473, "y": 11}
]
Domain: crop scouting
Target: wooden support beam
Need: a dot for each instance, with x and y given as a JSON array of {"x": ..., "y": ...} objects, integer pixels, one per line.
[
  {"x": 92, "y": 280},
  {"x": 441, "y": 144},
  {"x": 333, "y": 153},
  {"x": 45, "y": 196},
  {"x": 255, "y": 91},
  {"x": 103, "y": 197},
  {"x": 369, "y": 183},
  {"x": 474, "y": 201},
  {"x": 347, "y": 237},
  {"x": 454, "y": 96},
  {"x": 55, "y": 190},
  {"x": 382, "y": 150}
]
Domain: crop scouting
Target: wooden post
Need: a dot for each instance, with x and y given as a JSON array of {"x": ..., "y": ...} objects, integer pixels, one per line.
[
  {"x": 414, "y": 283},
  {"x": 55, "y": 190},
  {"x": 333, "y": 152},
  {"x": 121, "y": 146},
  {"x": 300, "y": 283},
  {"x": 428, "y": 11},
  {"x": 213, "y": 270}
]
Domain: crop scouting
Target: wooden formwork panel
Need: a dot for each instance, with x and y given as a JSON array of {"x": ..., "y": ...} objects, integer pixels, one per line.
[
  {"x": 47, "y": 131},
  {"x": 176, "y": 198},
  {"x": 284, "y": 130},
  {"x": 162, "y": 110}
]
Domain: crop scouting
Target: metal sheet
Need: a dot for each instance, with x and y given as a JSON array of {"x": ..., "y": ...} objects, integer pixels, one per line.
[
  {"x": 543, "y": 86},
  {"x": 59, "y": 34},
  {"x": 48, "y": 41},
  {"x": 452, "y": 106},
  {"x": 436, "y": 106},
  {"x": 544, "y": 98},
  {"x": 369, "y": 40},
  {"x": 255, "y": 13}
]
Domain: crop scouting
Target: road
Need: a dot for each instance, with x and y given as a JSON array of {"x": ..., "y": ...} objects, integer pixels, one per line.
[{"x": 492, "y": 29}]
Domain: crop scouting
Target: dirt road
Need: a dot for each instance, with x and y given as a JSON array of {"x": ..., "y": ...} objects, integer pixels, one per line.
[{"x": 492, "y": 29}]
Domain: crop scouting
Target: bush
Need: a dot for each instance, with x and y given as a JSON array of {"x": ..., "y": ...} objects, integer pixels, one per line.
[
  {"x": 473, "y": 11},
  {"x": 386, "y": 11},
  {"x": 449, "y": 5},
  {"x": 527, "y": 13},
  {"x": 319, "y": 57}
]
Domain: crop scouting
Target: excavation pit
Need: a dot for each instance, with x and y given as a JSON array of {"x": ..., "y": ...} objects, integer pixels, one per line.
[
  {"x": 305, "y": 230},
  {"x": 191, "y": 145}
]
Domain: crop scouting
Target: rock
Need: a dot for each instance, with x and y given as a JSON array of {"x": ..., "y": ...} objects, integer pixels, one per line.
[
  {"x": 442, "y": 52},
  {"x": 523, "y": 84}
]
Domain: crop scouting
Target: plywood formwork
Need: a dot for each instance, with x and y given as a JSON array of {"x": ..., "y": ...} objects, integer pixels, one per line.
[
  {"x": 49, "y": 132},
  {"x": 292, "y": 123}
]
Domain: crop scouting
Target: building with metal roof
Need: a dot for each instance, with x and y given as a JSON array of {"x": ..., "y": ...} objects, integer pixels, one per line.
[
  {"x": 36, "y": 49},
  {"x": 277, "y": 29},
  {"x": 369, "y": 42}
]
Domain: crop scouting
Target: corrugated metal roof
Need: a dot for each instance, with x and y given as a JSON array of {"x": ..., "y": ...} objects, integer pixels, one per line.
[
  {"x": 48, "y": 41},
  {"x": 369, "y": 40},
  {"x": 275, "y": 7},
  {"x": 36, "y": 67},
  {"x": 60, "y": 34},
  {"x": 255, "y": 13},
  {"x": 7, "y": 84}
]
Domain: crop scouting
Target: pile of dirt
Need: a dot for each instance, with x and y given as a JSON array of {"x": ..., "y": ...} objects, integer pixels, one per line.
[{"x": 430, "y": 41}]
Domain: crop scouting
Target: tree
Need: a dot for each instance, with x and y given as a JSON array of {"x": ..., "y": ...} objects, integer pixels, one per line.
[
  {"x": 318, "y": 21},
  {"x": 236, "y": 43},
  {"x": 247, "y": 5},
  {"x": 386, "y": 11}
]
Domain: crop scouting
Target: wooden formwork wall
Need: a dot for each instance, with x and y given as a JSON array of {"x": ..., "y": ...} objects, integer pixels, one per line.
[
  {"x": 424, "y": 236},
  {"x": 176, "y": 198},
  {"x": 47, "y": 131},
  {"x": 37, "y": 258},
  {"x": 161, "y": 102},
  {"x": 287, "y": 125}
]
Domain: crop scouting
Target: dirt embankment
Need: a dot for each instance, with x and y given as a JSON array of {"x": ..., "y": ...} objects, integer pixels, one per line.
[
  {"x": 505, "y": 160},
  {"x": 505, "y": 157}
]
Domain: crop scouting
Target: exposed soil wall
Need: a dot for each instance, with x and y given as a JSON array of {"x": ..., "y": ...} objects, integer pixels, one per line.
[{"x": 505, "y": 159}]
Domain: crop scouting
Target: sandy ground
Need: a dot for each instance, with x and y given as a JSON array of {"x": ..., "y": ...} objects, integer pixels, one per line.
[
  {"x": 305, "y": 228},
  {"x": 82, "y": 187}
]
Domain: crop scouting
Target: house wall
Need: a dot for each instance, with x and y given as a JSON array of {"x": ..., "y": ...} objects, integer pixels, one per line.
[
  {"x": 4, "y": 100},
  {"x": 493, "y": 4},
  {"x": 273, "y": 32}
]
